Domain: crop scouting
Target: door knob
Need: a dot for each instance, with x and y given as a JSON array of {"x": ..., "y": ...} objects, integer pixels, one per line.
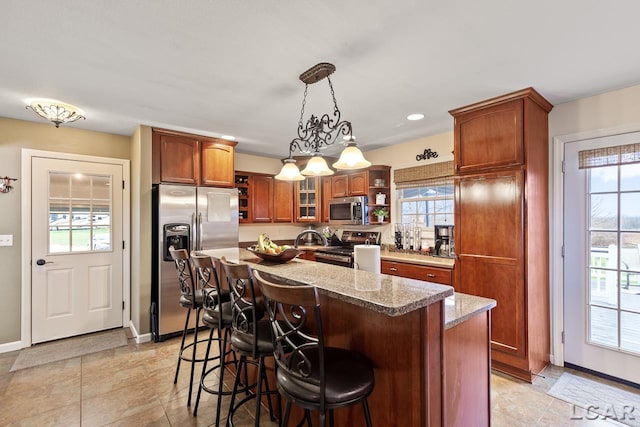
[{"x": 43, "y": 262}]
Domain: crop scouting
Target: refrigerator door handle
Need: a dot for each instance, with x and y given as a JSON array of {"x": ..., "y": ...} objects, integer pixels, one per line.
[
  {"x": 200, "y": 231},
  {"x": 192, "y": 241}
]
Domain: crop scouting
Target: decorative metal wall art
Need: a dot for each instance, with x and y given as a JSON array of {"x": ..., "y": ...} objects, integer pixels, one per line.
[
  {"x": 5, "y": 184},
  {"x": 426, "y": 155}
]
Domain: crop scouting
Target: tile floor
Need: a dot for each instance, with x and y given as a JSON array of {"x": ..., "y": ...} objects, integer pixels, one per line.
[{"x": 133, "y": 386}]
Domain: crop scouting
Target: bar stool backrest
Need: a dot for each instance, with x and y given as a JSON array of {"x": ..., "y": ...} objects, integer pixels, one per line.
[
  {"x": 207, "y": 276},
  {"x": 294, "y": 313},
  {"x": 185, "y": 277},
  {"x": 246, "y": 305}
]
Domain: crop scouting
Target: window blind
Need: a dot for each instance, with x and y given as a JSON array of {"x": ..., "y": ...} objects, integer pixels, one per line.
[
  {"x": 609, "y": 156},
  {"x": 433, "y": 174}
]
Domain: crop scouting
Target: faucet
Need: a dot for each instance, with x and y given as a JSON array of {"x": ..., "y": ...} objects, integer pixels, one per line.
[{"x": 302, "y": 233}]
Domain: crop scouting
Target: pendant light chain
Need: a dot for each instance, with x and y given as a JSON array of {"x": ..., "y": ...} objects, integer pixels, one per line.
[
  {"x": 304, "y": 102},
  {"x": 333, "y": 95}
]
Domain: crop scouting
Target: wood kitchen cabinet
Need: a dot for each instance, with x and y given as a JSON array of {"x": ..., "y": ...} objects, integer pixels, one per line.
[
  {"x": 262, "y": 198},
  {"x": 349, "y": 184},
  {"x": 501, "y": 221},
  {"x": 307, "y": 200},
  {"x": 440, "y": 275},
  {"x": 283, "y": 201},
  {"x": 326, "y": 197},
  {"x": 379, "y": 182},
  {"x": 183, "y": 158}
]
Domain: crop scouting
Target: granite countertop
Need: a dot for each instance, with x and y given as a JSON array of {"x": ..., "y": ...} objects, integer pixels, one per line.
[
  {"x": 414, "y": 258},
  {"x": 459, "y": 307},
  {"x": 390, "y": 295}
]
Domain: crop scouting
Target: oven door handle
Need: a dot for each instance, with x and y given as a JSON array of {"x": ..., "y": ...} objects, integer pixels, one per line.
[{"x": 333, "y": 257}]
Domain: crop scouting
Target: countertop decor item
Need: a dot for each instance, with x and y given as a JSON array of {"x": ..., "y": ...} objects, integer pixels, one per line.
[
  {"x": 282, "y": 257},
  {"x": 55, "y": 111},
  {"x": 320, "y": 132}
]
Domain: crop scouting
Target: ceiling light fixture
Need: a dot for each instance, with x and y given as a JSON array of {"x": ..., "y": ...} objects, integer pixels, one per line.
[
  {"x": 416, "y": 116},
  {"x": 56, "y": 112},
  {"x": 318, "y": 133}
]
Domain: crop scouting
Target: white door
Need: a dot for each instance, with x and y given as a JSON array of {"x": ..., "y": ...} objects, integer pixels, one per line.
[
  {"x": 77, "y": 249},
  {"x": 602, "y": 262}
]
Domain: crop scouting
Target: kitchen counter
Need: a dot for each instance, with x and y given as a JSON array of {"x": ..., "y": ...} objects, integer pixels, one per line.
[
  {"x": 430, "y": 353},
  {"x": 414, "y": 258},
  {"x": 460, "y": 307},
  {"x": 389, "y": 295}
]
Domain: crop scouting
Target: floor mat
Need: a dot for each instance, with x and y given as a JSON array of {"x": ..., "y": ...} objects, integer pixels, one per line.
[
  {"x": 601, "y": 401},
  {"x": 68, "y": 348}
]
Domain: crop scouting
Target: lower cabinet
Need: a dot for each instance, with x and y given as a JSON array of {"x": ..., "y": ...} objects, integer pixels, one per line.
[
  {"x": 308, "y": 255},
  {"x": 443, "y": 276}
]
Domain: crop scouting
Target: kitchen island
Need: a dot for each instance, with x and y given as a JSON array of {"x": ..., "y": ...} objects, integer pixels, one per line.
[{"x": 401, "y": 326}]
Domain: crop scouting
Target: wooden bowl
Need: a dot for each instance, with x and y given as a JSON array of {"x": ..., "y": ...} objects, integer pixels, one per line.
[{"x": 282, "y": 257}]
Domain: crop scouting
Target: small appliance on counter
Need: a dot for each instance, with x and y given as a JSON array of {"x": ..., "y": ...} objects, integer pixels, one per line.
[{"x": 444, "y": 241}]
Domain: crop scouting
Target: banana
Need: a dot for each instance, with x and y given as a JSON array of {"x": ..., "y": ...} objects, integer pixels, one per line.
[{"x": 264, "y": 242}]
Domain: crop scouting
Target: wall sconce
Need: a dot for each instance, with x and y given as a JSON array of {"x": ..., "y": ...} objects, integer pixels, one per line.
[{"x": 5, "y": 184}]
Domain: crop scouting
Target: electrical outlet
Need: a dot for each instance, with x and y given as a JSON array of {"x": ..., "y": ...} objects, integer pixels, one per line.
[{"x": 6, "y": 239}]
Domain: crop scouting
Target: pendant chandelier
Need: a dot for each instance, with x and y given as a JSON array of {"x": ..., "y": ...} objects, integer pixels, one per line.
[
  {"x": 320, "y": 132},
  {"x": 56, "y": 112}
]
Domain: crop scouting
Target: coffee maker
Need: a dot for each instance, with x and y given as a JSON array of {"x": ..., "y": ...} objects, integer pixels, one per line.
[{"x": 444, "y": 241}]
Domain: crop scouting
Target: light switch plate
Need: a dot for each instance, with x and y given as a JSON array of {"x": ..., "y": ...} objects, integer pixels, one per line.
[{"x": 6, "y": 239}]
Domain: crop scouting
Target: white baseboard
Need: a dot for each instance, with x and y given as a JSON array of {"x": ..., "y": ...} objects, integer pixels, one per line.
[
  {"x": 139, "y": 338},
  {"x": 11, "y": 346}
]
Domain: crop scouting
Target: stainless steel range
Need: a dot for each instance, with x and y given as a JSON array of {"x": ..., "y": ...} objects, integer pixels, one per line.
[{"x": 343, "y": 255}]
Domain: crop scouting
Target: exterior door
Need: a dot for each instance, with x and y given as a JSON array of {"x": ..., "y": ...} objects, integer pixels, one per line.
[
  {"x": 602, "y": 262},
  {"x": 77, "y": 249}
]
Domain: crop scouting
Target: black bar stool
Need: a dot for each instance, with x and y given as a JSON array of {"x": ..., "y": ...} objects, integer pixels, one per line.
[
  {"x": 309, "y": 374},
  {"x": 250, "y": 336},
  {"x": 217, "y": 317},
  {"x": 191, "y": 298}
]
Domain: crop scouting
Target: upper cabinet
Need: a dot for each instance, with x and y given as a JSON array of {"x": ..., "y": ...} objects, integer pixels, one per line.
[
  {"x": 491, "y": 134},
  {"x": 349, "y": 184},
  {"x": 217, "y": 163},
  {"x": 283, "y": 201},
  {"x": 307, "y": 200},
  {"x": 191, "y": 159},
  {"x": 378, "y": 191},
  {"x": 262, "y": 198}
]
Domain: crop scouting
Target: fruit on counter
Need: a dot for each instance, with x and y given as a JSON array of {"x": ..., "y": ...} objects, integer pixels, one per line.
[{"x": 265, "y": 245}]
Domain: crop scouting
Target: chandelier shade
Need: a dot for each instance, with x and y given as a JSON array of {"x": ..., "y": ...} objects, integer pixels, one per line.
[
  {"x": 290, "y": 171},
  {"x": 317, "y": 166},
  {"x": 56, "y": 112},
  {"x": 319, "y": 132},
  {"x": 351, "y": 158}
]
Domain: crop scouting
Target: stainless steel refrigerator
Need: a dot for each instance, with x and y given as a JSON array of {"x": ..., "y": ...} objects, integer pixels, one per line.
[{"x": 191, "y": 218}]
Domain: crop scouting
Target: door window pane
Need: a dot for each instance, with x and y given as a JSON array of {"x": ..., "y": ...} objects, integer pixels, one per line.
[
  {"x": 79, "y": 212},
  {"x": 630, "y": 177},
  {"x": 603, "y": 326},
  {"x": 630, "y": 291},
  {"x": 630, "y": 211},
  {"x": 603, "y": 179},
  {"x": 604, "y": 287},
  {"x": 630, "y": 332},
  {"x": 604, "y": 211}
]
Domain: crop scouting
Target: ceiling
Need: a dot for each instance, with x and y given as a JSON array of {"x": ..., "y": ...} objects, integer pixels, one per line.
[{"x": 231, "y": 67}]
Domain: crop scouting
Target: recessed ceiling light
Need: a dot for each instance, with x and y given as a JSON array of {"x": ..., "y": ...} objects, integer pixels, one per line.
[
  {"x": 416, "y": 116},
  {"x": 228, "y": 137}
]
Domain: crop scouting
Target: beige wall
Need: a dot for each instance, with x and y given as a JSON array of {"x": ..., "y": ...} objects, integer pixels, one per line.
[
  {"x": 141, "y": 228},
  {"x": 15, "y": 135}
]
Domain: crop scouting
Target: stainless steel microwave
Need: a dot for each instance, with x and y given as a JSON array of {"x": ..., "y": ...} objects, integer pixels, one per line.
[{"x": 348, "y": 210}]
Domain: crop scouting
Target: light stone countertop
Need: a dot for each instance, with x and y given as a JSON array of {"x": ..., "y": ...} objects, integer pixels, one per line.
[
  {"x": 413, "y": 258},
  {"x": 460, "y": 307},
  {"x": 390, "y": 295}
]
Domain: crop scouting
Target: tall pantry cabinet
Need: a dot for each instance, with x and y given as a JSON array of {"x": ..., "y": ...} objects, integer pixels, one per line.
[{"x": 502, "y": 223}]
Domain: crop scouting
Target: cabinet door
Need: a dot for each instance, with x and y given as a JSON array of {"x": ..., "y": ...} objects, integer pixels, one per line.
[
  {"x": 340, "y": 186},
  {"x": 489, "y": 239},
  {"x": 307, "y": 200},
  {"x": 217, "y": 164},
  {"x": 179, "y": 159},
  {"x": 489, "y": 138},
  {"x": 262, "y": 198},
  {"x": 358, "y": 184},
  {"x": 283, "y": 201},
  {"x": 327, "y": 195}
]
